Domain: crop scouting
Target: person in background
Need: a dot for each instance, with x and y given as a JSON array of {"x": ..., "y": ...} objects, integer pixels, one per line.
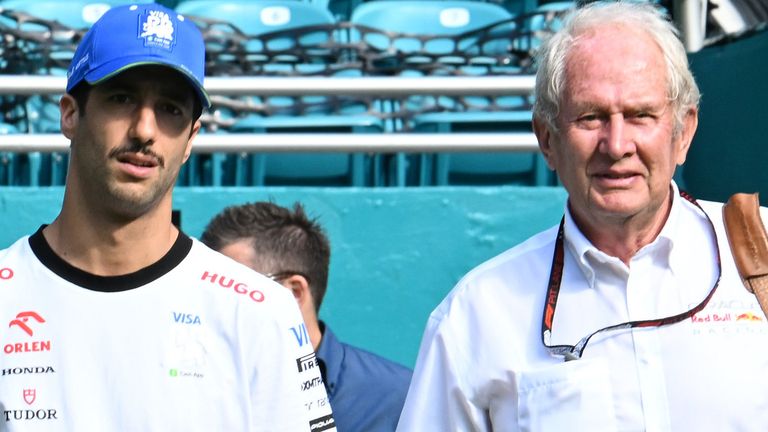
[
  {"x": 366, "y": 391},
  {"x": 628, "y": 315},
  {"x": 112, "y": 318}
]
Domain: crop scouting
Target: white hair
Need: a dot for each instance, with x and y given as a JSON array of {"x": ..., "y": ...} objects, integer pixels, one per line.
[{"x": 682, "y": 90}]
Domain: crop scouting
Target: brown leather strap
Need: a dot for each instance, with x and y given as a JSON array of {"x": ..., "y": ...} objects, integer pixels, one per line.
[{"x": 749, "y": 243}]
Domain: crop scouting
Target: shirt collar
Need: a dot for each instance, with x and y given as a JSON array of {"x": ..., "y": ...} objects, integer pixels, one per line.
[
  {"x": 671, "y": 231},
  {"x": 588, "y": 256},
  {"x": 330, "y": 355}
]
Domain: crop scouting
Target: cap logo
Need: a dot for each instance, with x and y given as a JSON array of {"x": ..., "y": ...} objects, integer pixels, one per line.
[
  {"x": 77, "y": 66},
  {"x": 157, "y": 30}
]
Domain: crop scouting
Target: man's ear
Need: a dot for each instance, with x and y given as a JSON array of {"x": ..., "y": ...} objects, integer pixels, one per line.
[
  {"x": 299, "y": 287},
  {"x": 70, "y": 115},
  {"x": 544, "y": 137},
  {"x": 684, "y": 139}
]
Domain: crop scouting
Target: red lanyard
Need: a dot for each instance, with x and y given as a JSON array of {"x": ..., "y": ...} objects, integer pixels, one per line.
[{"x": 574, "y": 352}]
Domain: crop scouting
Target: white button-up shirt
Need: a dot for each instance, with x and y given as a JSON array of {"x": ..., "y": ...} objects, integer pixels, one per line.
[{"x": 482, "y": 365}]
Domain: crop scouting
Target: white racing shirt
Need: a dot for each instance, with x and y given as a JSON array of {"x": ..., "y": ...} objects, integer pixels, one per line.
[
  {"x": 482, "y": 365},
  {"x": 194, "y": 342}
]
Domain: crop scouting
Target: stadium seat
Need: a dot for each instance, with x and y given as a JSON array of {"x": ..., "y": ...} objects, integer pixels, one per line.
[
  {"x": 509, "y": 168},
  {"x": 258, "y": 16},
  {"x": 78, "y": 14},
  {"x": 428, "y": 28},
  {"x": 285, "y": 39},
  {"x": 544, "y": 19},
  {"x": 339, "y": 9},
  {"x": 6, "y": 158},
  {"x": 6, "y": 129},
  {"x": 453, "y": 37},
  {"x": 519, "y": 7}
]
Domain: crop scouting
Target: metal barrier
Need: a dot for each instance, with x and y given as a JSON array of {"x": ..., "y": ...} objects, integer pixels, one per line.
[{"x": 320, "y": 142}]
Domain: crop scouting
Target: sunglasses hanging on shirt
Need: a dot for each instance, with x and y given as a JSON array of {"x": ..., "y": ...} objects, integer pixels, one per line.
[{"x": 574, "y": 352}]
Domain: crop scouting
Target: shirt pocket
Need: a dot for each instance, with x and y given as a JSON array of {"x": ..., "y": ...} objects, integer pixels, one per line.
[{"x": 573, "y": 396}]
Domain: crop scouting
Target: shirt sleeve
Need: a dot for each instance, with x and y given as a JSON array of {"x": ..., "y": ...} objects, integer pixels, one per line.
[
  {"x": 438, "y": 398},
  {"x": 287, "y": 389}
]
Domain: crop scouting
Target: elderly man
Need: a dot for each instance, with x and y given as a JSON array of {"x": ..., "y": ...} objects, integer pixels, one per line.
[{"x": 629, "y": 314}]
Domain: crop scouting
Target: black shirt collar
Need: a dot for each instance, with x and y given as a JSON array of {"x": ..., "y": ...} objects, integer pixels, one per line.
[{"x": 68, "y": 272}]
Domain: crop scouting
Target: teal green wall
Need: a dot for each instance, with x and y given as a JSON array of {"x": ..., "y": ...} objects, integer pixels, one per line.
[{"x": 395, "y": 252}]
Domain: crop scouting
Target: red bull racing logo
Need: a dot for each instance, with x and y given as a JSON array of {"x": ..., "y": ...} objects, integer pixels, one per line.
[{"x": 749, "y": 316}]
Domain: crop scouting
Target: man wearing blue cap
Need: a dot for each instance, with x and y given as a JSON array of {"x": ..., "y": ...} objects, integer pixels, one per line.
[{"x": 117, "y": 321}]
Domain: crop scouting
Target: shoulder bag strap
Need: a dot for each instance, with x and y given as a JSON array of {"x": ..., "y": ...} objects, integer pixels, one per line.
[{"x": 749, "y": 243}]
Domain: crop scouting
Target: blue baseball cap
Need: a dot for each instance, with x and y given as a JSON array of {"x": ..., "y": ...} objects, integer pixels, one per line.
[{"x": 136, "y": 35}]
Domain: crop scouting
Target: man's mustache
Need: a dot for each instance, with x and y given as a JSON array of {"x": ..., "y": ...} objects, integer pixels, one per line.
[{"x": 137, "y": 148}]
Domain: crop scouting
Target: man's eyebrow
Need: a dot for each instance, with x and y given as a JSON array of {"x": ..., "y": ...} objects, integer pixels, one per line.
[
  {"x": 640, "y": 105},
  {"x": 586, "y": 106}
]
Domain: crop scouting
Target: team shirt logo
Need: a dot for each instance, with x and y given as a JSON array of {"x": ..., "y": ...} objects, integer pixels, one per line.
[
  {"x": 307, "y": 362},
  {"x": 301, "y": 335},
  {"x": 237, "y": 287},
  {"x": 29, "y": 396},
  {"x": 322, "y": 423},
  {"x": 22, "y": 319},
  {"x": 23, "y": 322},
  {"x": 6, "y": 273},
  {"x": 29, "y": 414}
]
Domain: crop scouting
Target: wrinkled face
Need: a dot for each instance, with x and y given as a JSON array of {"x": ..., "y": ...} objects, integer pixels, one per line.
[
  {"x": 615, "y": 149},
  {"x": 136, "y": 132}
]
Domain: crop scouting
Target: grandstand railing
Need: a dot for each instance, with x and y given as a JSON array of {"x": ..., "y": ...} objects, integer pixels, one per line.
[{"x": 316, "y": 142}]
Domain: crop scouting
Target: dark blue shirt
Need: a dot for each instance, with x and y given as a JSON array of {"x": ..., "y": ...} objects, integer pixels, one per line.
[{"x": 366, "y": 391}]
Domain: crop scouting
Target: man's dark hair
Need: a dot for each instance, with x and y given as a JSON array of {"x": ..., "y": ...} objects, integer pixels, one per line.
[
  {"x": 283, "y": 240},
  {"x": 80, "y": 94}
]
